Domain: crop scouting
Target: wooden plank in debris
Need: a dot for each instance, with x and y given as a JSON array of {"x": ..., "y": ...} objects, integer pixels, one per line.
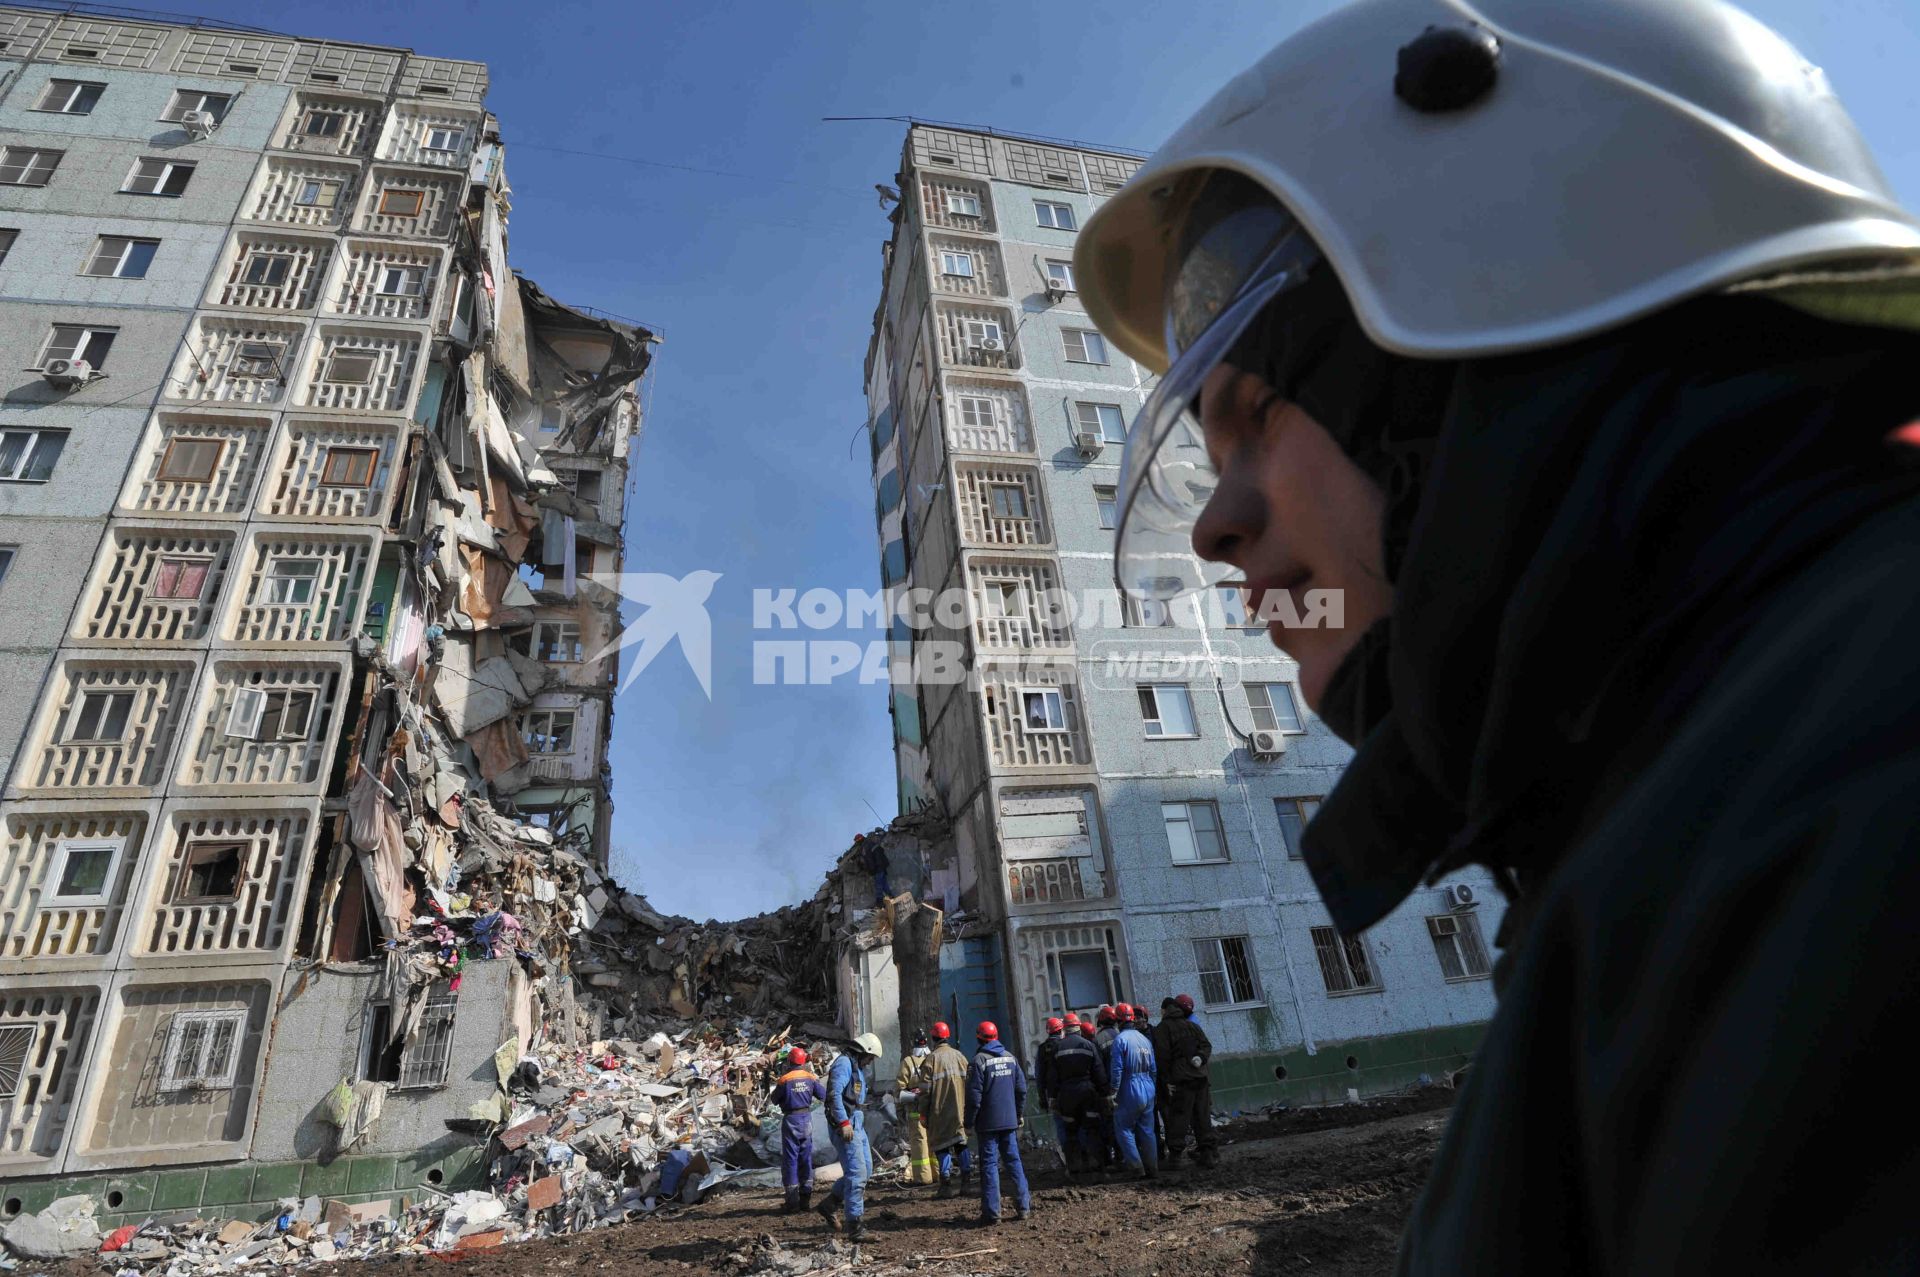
[
  {"x": 515, "y": 1137},
  {"x": 543, "y": 1193}
]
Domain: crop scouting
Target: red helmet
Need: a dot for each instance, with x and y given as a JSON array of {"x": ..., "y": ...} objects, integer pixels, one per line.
[
  {"x": 1140, "y": 1014},
  {"x": 1073, "y": 1020},
  {"x": 1123, "y": 1014},
  {"x": 1086, "y": 1029},
  {"x": 796, "y": 1057},
  {"x": 1105, "y": 1016},
  {"x": 1054, "y": 1024},
  {"x": 1184, "y": 1001},
  {"x": 941, "y": 1031},
  {"x": 988, "y": 1031}
]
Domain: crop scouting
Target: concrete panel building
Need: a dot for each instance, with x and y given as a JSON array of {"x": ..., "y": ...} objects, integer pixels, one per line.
[
  {"x": 1127, "y": 782},
  {"x": 295, "y": 475}
]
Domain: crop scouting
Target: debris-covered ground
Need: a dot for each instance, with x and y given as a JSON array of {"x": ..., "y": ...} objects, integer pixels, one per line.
[{"x": 1293, "y": 1194}]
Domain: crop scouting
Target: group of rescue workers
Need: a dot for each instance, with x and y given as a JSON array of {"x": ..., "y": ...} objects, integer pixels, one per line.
[{"x": 1125, "y": 1094}]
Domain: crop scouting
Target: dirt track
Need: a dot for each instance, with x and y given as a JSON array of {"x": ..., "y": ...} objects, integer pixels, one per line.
[{"x": 1302, "y": 1194}]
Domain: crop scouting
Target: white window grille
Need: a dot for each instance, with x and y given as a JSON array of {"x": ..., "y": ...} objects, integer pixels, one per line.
[
  {"x": 1345, "y": 964},
  {"x": 78, "y": 341},
  {"x": 96, "y": 700},
  {"x": 1227, "y": 975},
  {"x": 263, "y": 725},
  {"x": 1295, "y": 813},
  {"x": 28, "y": 456},
  {"x": 1012, "y": 742},
  {"x": 1273, "y": 707},
  {"x": 84, "y": 871},
  {"x": 1084, "y": 346},
  {"x": 1057, "y": 216},
  {"x": 1457, "y": 943},
  {"x": 203, "y": 1050},
  {"x": 1167, "y": 710},
  {"x": 1042, "y": 709},
  {"x": 70, "y": 97},
  {"x": 118, "y": 257},
  {"x": 28, "y": 165},
  {"x": 1194, "y": 835},
  {"x": 151, "y": 176}
]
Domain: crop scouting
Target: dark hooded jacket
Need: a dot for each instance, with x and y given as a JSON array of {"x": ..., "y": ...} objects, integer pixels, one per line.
[{"x": 1653, "y": 658}]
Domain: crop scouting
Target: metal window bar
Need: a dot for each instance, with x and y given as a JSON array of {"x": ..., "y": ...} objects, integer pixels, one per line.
[{"x": 424, "y": 1063}]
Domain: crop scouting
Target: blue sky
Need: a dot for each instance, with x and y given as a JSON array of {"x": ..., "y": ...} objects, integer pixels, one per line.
[{"x": 765, "y": 287}]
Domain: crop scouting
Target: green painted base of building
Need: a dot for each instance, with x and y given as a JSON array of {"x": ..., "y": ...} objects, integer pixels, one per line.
[
  {"x": 1379, "y": 1065},
  {"x": 252, "y": 1190}
]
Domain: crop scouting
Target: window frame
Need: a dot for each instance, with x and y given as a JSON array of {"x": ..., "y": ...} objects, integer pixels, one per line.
[
  {"x": 168, "y": 169},
  {"x": 200, "y": 1078},
  {"x": 9, "y": 236},
  {"x": 994, "y": 491},
  {"x": 417, "y": 274},
  {"x": 1159, "y": 715},
  {"x": 31, "y": 449},
  {"x": 1342, "y": 948},
  {"x": 1106, "y": 501},
  {"x": 1101, "y": 418},
  {"x": 87, "y": 696},
  {"x": 308, "y": 574},
  {"x": 1063, "y": 280},
  {"x": 20, "y": 1034},
  {"x": 1272, "y": 711},
  {"x": 961, "y": 199},
  {"x": 969, "y": 412},
  {"x": 339, "y": 354},
  {"x": 951, "y": 257},
  {"x": 1256, "y": 992},
  {"x": 29, "y": 167},
  {"x": 128, "y": 243},
  {"x": 271, "y": 260},
  {"x": 424, "y": 1062},
  {"x": 551, "y": 714},
  {"x": 1089, "y": 339},
  {"x": 1043, "y": 210},
  {"x": 1299, "y": 812},
  {"x": 429, "y": 130},
  {"x": 219, "y": 446},
  {"x": 390, "y": 193},
  {"x": 1466, "y": 924},
  {"x": 183, "y": 563},
  {"x": 319, "y": 185},
  {"x": 577, "y": 647},
  {"x": 1058, "y": 699},
  {"x": 980, "y": 331},
  {"x": 177, "y": 107},
  {"x": 64, "y": 851},
  {"x": 74, "y": 90},
  {"x": 1219, "y": 831},
  {"x": 354, "y": 455},
  {"x": 201, "y": 851},
  {"x": 307, "y": 117},
  {"x": 89, "y": 334},
  {"x": 248, "y": 352}
]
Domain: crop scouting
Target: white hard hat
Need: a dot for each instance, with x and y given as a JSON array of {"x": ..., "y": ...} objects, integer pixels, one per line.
[
  {"x": 867, "y": 1044},
  {"x": 1482, "y": 178}
]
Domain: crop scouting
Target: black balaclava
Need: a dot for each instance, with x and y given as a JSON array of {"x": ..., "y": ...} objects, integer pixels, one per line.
[{"x": 1573, "y": 535}]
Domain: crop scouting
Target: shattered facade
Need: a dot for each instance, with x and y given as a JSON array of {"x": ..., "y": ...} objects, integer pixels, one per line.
[
  {"x": 307, "y": 502},
  {"x": 1114, "y": 834}
]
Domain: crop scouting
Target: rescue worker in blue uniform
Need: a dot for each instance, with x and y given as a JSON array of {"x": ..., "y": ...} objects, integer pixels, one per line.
[
  {"x": 1079, "y": 1079},
  {"x": 1130, "y": 1065},
  {"x": 849, "y": 1083},
  {"x": 795, "y": 1092},
  {"x": 996, "y": 1093}
]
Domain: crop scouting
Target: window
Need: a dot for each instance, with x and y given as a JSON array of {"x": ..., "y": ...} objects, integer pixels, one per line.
[
  {"x": 70, "y": 97},
  {"x": 80, "y": 52},
  {"x": 1148, "y": 612},
  {"x": 290, "y": 581},
  {"x": 549, "y": 731},
  {"x": 269, "y": 269},
  {"x": 1000, "y": 599},
  {"x": 348, "y": 467},
  {"x": 76, "y": 341},
  {"x": 1108, "y": 499},
  {"x": 960, "y": 264},
  {"x": 83, "y": 870},
  {"x": 1059, "y": 276},
  {"x": 158, "y": 177},
  {"x": 1193, "y": 833},
  {"x": 1058, "y": 216},
  {"x": 1009, "y": 501},
  {"x": 1273, "y": 707},
  {"x": 7, "y": 553},
  {"x": 118, "y": 257},
  {"x": 1043, "y": 709},
  {"x": 1104, "y": 419},
  {"x": 27, "y": 456},
  {"x": 402, "y": 203},
  {"x": 16, "y": 1041},
  {"x": 963, "y": 205},
  {"x": 203, "y": 1050},
  {"x": 102, "y": 717},
  {"x": 403, "y": 281},
  {"x": 1226, "y": 971},
  {"x": 982, "y": 331},
  {"x": 318, "y": 123},
  {"x": 181, "y": 579},
  {"x": 1457, "y": 943},
  {"x": 1294, "y": 815},
  {"x": 1344, "y": 964},
  {"x": 350, "y": 368},
  {"x": 556, "y": 641},
  {"x": 419, "y": 1064},
  {"x": 317, "y": 194},
  {"x": 1085, "y": 346},
  {"x": 28, "y": 165},
  {"x": 584, "y": 484},
  {"x": 441, "y": 138},
  {"x": 1167, "y": 710},
  {"x": 279, "y": 715},
  {"x": 7, "y": 236},
  {"x": 978, "y": 411},
  {"x": 190, "y": 460},
  {"x": 1085, "y": 978},
  {"x": 210, "y": 871},
  {"x": 185, "y": 100},
  {"x": 256, "y": 359}
]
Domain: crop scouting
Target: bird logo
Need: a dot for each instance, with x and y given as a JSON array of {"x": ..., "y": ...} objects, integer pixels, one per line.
[{"x": 673, "y": 609}]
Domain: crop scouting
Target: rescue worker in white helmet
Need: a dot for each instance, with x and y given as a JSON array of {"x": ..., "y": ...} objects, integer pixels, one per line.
[{"x": 1574, "y": 346}]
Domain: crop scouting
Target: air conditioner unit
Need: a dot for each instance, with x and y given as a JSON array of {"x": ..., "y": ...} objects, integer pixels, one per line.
[
  {"x": 1460, "y": 896},
  {"x": 1089, "y": 442},
  {"x": 68, "y": 373},
  {"x": 199, "y": 124},
  {"x": 992, "y": 345},
  {"x": 1269, "y": 744},
  {"x": 1058, "y": 288}
]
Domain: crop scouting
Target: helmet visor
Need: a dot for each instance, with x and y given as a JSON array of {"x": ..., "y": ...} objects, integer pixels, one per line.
[{"x": 1229, "y": 273}]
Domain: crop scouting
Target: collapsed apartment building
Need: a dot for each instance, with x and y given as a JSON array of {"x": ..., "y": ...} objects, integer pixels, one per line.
[
  {"x": 1126, "y": 780},
  {"x": 306, "y": 501}
]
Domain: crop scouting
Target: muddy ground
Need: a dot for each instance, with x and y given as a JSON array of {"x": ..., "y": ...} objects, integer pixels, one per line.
[{"x": 1318, "y": 1191}]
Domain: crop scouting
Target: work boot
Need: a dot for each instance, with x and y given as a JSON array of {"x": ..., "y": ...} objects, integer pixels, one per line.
[
  {"x": 857, "y": 1230},
  {"x": 791, "y": 1204},
  {"x": 945, "y": 1192},
  {"x": 988, "y": 1221},
  {"x": 829, "y": 1211},
  {"x": 1025, "y": 1213},
  {"x": 805, "y": 1202}
]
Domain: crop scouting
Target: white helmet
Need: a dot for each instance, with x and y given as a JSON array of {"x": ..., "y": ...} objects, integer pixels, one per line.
[{"x": 1482, "y": 177}]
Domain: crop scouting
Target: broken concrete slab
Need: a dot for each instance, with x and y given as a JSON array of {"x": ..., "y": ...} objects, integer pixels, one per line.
[{"x": 64, "y": 1229}]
